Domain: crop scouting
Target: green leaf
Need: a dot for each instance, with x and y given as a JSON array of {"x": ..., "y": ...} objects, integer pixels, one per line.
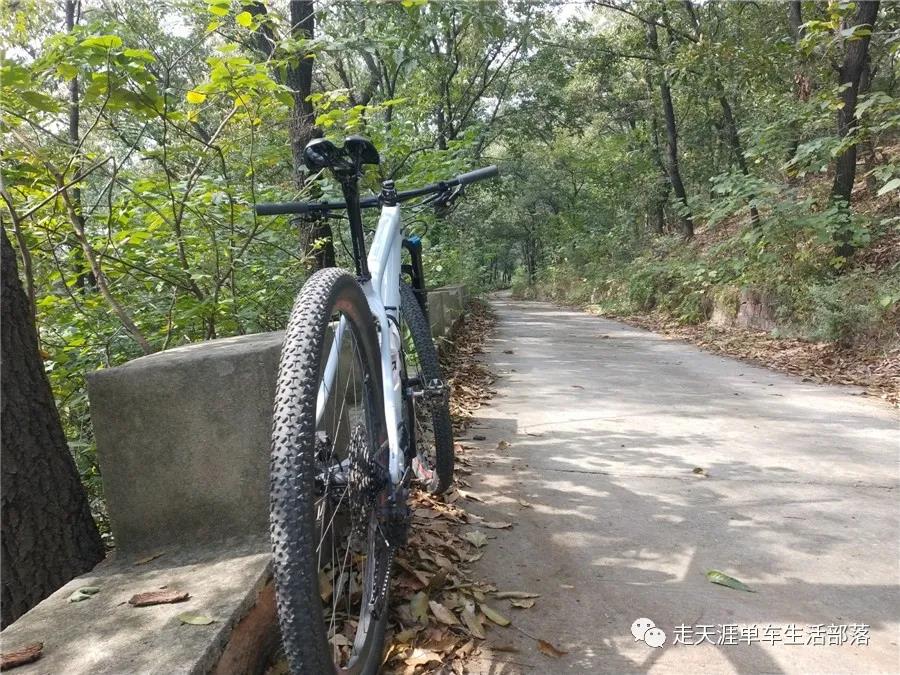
[
  {"x": 717, "y": 577},
  {"x": 103, "y": 41},
  {"x": 196, "y": 97},
  {"x": 892, "y": 184},
  {"x": 66, "y": 70},
  {"x": 40, "y": 101},
  {"x": 244, "y": 19},
  {"x": 143, "y": 54},
  {"x": 195, "y": 619},
  {"x": 218, "y": 11}
]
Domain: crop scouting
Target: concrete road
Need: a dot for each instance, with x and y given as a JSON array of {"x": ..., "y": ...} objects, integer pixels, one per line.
[{"x": 609, "y": 428}]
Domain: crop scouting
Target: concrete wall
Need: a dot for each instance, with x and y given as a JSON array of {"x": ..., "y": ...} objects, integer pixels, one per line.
[{"x": 183, "y": 435}]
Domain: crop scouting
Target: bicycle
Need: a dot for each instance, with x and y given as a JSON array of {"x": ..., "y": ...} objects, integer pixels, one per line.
[{"x": 360, "y": 408}]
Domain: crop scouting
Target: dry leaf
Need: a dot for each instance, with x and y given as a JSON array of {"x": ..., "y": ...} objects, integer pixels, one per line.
[
  {"x": 548, "y": 649},
  {"x": 149, "y": 558},
  {"x": 525, "y": 504},
  {"x": 83, "y": 593},
  {"x": 437, "y": 581},
  {"x": 195, "y": 619},
  {"x": 472, "y": 621},
  {"x": 418, "y": 607},
  {"x": 21, "y": 656},
  {"x": 420, "y": 657},
  {"x": 503, "y": 445},
  {"x": 325, "y": 587},
  {"x": 443, "y": 614},
  {"x": 466, "y": 649},
  {"x": 494, "y": 615},
  {"x": 497, "y": 525},
  {"x": 476, "y": 538},
  {"x": 505, "y": 648},
  {"x": 522, "y": 604},
  {"x": 469, "y": 495},
  {"x": 158, "y": 598},
  {"x": 502, "y": 595}
]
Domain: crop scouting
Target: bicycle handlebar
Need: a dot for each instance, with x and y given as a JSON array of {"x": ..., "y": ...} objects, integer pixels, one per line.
[{"x": 280, "y": 208}]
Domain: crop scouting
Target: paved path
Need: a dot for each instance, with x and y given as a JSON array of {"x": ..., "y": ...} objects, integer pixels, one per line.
[{"x": 607, "y": 424}]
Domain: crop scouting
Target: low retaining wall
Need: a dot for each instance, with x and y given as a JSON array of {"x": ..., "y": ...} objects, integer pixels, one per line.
[{"x": 183, "y": 444}]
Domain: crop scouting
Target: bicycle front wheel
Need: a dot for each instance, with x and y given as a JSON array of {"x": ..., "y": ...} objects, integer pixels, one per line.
[
  {"x": 328, "y": 483},
  {"x": 427, "y": 416}
]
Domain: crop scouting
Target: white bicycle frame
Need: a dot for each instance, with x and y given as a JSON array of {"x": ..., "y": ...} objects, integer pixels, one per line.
[{"x": 382, "y": 291}]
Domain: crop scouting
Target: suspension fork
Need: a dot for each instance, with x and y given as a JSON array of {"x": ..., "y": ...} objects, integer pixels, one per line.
[{"x": 415, "y": 270}]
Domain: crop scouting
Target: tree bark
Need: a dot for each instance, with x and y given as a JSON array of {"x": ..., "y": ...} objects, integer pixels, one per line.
[
  {"x": 672, "y": 165},
  {"x": 849, "y": 75},
  {"x": 48, "y": 535}
]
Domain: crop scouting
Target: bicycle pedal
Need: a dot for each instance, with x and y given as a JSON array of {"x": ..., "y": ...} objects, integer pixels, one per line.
[{"x": 435, "y": 389}]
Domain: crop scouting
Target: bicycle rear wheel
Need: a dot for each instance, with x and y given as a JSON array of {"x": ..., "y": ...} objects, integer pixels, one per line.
[
  {"x": 328, "y": 483},
  {"x": 428, "y": 416}
]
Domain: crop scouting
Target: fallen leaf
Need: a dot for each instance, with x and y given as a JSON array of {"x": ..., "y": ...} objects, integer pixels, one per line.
[
  {"x": 469, "y": 495},
  {"x": 504, "y": 648},
  {"x": 466, "y": 649},
  {"x": 325, "y": 586},
  {"x": 522, "y": 604},
  {"x": 472, "y": 621},
  {"x": 158, "y": 598},
  {"x": 195, "y": 619},
  {"x": 479, "y": 437},
  {"x": 405, "y": 636},
  {"x": 502, "y": 595},
  {"x": 700, "y": 471},
  {"x": 548, "y": 649},
  {"x": 503, "y": 445},
  {"x": 21, "y": 656},
  {"x": 418, "y": 606},
  {"x": 568, "y": 586},
  {"x": 717, "y": 577},
  {"x": 437, "y": 581},
  {"x": 443, "y": 614},
  {"x": 475, "y": 538},
  {"x": 497, "y": 525},
  {"x": 340, "y": 640},
  {"x": 509, "y": 351},
  {"x": 149, "y": 558},
  {"x": 83, "y": 593},
  {"x": 475, "y": 557},
  {"x": 420, "y": 657},
  {"x": 524, "y": 504},
  {"x": 494, "y": 615}
]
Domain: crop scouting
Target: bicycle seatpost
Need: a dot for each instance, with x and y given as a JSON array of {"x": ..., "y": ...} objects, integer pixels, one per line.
[{"x": 349, "y": 181}]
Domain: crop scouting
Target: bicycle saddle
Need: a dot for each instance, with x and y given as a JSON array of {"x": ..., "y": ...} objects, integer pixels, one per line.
[{"x": 320, "y": 153}]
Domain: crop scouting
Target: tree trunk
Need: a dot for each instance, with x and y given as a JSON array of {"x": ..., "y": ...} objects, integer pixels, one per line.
[
  {"x": 735, "y": 142},
  {"x": 672, "y": 166},
  {"x": 298, "y": 77},
  {"x": 802, "y": 84},
  {"x": 48, "y": 535},
  {"x": 850, "y": 73}
]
